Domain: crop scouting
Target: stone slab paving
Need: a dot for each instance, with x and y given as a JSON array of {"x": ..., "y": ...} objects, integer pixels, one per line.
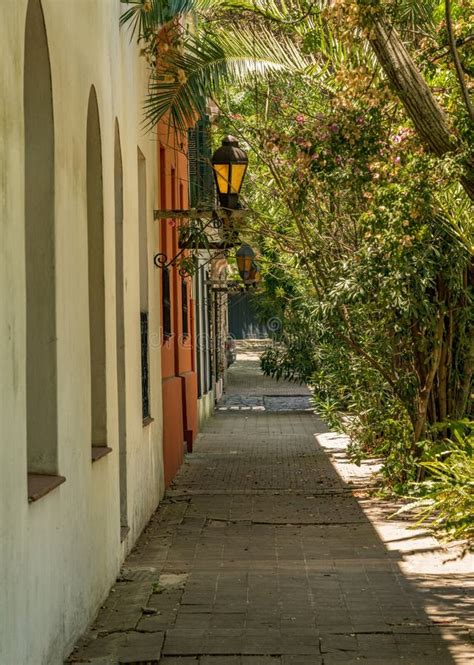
[
  {"x": 271, "y": 403},
  {"x": 269, "y": 550},
  {"x": 247, "y": 381}
]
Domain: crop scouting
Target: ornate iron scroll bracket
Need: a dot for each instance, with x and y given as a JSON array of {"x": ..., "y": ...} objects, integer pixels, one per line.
[
  {"x": 215, "y": 218},
  {"x": 161, "y": 260}
]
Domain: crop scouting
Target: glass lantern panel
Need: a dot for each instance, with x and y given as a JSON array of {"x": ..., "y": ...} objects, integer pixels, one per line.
[
  {"x": 244, "y": 263},
  {"x": 238, "y": 172},
  {"x": 222, "y": 177}
]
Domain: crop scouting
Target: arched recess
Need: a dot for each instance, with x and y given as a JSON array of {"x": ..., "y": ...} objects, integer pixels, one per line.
[
  {"x": 143, "y": 268},
  {"x": 41, "y": 363},
  {"x": 120, "y": 328},
  {"x": 95, "y": 245}
]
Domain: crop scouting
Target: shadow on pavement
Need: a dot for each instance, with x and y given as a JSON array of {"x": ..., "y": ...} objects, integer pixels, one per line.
[{"x": 261, "y": 554}]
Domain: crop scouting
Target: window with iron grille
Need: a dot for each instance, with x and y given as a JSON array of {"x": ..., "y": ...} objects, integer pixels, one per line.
[
  {"x": 210, "y": 333},
  {"x": 184, "y": 306},
  {"x": 218, "y": 336},
  {"x": 145, "y": 365},
  {"x": 199, "y": 334},
  {"x": 166, "y": 301}
]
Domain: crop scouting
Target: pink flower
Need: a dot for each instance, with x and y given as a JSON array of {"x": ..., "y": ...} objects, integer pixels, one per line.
[
  {"x": 300, "y": 118},
  {"x": 334, "y": 127},
  {"x": 401, "y": 136}
]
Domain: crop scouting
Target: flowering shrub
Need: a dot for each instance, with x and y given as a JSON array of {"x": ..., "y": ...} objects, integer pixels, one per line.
[{"x": 373, "y": 291}]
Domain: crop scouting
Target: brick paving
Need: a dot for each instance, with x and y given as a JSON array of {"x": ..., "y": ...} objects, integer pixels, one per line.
[{"x": 269, "y": 550}]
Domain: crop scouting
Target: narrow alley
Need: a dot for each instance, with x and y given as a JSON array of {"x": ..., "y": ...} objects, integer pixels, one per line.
[{"x": 269, "y": 550}]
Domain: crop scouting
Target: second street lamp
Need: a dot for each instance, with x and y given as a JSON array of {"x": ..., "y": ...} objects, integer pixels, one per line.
[
  {"x": 230, "y": 164},
  {"x": 245, "y": 256}
]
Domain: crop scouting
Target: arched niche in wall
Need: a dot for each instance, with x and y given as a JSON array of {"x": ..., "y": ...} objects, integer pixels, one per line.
[
  {"x": 41, "y": 363},
  {"x": 120, "y": 327},
  {"x": 143, "y": 270},
  {"x": 96, "y": 274}
]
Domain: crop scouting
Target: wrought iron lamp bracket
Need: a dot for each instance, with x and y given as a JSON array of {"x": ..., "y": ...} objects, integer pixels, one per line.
[
  {"x": 213, "y": 217},
  {"x": 231, "y": 286},
  {"x": 161, "y": 260},
  {"x": 221, "y": 213}
]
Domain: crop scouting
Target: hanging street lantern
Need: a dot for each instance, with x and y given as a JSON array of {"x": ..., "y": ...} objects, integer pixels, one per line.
[
  {"x": 245, "y": 256},
  {"x": 230, "y": 164}
]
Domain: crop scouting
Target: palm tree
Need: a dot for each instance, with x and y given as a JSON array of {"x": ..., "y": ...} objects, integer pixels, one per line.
[
  {"x": 238, "y": 38},
  {"x": 201, "y": 47}
]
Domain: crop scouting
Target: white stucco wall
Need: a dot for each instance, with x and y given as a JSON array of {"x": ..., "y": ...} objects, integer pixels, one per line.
[
  {"x": 205, "y": 408},
  {"x": 60, "y": 555}
]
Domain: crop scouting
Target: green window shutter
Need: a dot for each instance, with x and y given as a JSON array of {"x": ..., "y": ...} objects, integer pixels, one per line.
[
  {"x": 201, "y": 178},
  {"x": 192, "y": 167}
]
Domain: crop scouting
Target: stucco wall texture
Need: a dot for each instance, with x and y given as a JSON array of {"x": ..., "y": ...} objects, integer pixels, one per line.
[
  {"x": 179, "y": 386},
  {"x": 60, "y": 554}
]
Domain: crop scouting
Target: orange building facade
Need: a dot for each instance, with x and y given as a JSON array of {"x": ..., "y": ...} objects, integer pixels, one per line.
[{"x": 178, "y": 360}]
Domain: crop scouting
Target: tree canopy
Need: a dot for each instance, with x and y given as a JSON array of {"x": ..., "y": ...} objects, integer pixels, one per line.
[{"x": 358, "y": 119}]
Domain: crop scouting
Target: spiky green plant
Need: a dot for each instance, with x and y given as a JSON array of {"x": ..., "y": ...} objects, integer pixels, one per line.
[
  {"x": 456, "y": 212},
  {"x": 146, "y": 17},
  {"x": 446, "y": 498}
]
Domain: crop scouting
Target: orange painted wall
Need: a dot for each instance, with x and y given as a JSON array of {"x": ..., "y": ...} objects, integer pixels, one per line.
[{"x": 179, "y": 380}]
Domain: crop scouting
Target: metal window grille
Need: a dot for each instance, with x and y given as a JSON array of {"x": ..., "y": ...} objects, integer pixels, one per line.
[
  {"x": 218, "y": 337},
  {"x": 184, "y": 306},
  {"x": 210, "y": 335},
  {"x": 199, "y": 331},
  {"x": 166, "y": 300},
  {"x": 145, "y": 365}
]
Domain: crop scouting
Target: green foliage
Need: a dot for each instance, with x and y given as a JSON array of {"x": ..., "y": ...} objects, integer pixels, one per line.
[
  {"x": 456, "y": 214},
  {"x": 365, "y": 237},
  {"x": 446, "y": 498},
  {"x": 199, "y": 71},
  {"x": 147, "y": 17},
  {"x": 362, "y": 262},
  {"x": 190, "y": 65}
]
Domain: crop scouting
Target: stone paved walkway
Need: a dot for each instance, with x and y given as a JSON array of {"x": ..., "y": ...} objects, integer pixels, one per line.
[{"x": 268, "y": 550}]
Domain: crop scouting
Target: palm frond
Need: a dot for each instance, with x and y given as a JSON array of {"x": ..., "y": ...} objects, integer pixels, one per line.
[
  {"x": 281, "y": 11},
  {"x": 456, "y": 213},
  {"x": 145, "y": 17},
  {"x": 186, "y": 80},
  {"x": 328, "y": 46},
  {"x": 415, "y": 16}
]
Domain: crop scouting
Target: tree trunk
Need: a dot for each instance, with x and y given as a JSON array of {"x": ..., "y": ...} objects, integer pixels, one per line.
[
  {"x": 425, "y": 392},
  {"x": 466, "y": 383},
  {"x": 420, "y": 104},
  {"x": 443, "y": 380}
]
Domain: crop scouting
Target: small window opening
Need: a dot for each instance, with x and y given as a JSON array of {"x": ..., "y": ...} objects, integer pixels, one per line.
[
  {"x": 184, "y": 307},
  {"x": 166, "y": 298}
]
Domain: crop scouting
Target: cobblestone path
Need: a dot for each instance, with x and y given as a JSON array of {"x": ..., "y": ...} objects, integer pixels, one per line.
[{"x": 268, "y": 550}]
